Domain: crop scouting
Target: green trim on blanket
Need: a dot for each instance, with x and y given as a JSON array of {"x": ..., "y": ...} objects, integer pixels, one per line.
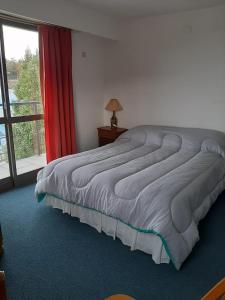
[{"x": 42, "y": 196}]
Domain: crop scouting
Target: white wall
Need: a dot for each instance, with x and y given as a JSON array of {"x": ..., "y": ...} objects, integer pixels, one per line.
[
  {"x": 170, "y": 70},
  {"x": 88, "y": 77},
  {"x": 64, "y": 13}
]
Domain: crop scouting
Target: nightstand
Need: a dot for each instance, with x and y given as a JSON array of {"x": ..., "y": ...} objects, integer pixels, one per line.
[{"x": 108, "y": 135}]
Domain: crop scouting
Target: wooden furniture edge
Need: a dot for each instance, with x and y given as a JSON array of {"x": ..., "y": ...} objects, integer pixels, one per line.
[
  {"x": 2, "y": 274},
  {"x": 217, "y": 291}
]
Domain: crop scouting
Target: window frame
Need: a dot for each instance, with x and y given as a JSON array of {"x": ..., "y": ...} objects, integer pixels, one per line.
[{"x": 14, "y": 180}]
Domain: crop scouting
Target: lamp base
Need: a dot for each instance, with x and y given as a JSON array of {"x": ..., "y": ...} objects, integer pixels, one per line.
[{"x": 114, "y": 120}]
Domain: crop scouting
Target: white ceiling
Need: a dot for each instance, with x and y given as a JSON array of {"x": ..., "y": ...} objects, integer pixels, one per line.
[{"x": 141, "y": 8}]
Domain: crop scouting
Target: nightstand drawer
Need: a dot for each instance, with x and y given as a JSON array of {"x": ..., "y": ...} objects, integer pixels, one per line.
[
  {"x": 104, "y": 141},
  {"x": 107, "y": 135}
]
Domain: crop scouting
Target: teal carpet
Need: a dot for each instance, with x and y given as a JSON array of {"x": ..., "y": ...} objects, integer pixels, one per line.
[{"x": 52, "y": 256}]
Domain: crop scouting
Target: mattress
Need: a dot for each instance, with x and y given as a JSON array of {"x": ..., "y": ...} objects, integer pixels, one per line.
[{"x": 157, "y": 180}]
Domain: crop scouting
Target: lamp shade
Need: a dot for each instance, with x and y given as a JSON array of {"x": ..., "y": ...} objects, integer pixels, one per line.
[{"x": 114, "y": 105}]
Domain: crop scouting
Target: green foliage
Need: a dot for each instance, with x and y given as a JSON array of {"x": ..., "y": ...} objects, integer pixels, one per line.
[
  {"x": 23, "y": 139},
  {"x": 28, "y": 136},
  {"x": 28, "y": 87},
  {"x": 12, "y": 67}
]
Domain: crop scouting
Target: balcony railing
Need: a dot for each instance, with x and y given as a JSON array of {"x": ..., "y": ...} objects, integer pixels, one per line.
[{"x": 35, "y": 108}]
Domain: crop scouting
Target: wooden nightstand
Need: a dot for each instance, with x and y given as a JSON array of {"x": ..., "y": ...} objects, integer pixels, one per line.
[{"x": 108, "y": 135}]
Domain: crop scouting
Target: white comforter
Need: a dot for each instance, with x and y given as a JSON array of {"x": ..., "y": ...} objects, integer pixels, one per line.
[{"x": 158, "y": 180}]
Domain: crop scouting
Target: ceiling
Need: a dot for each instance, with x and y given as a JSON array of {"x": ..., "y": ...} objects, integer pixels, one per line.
[{"x": 141, "y": 8}]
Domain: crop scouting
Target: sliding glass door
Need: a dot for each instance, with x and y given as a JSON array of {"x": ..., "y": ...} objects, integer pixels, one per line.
[{"x": 22, "y": 147}]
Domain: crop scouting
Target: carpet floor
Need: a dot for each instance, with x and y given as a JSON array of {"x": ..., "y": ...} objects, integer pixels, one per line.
[{"x": 52, "y": 256}]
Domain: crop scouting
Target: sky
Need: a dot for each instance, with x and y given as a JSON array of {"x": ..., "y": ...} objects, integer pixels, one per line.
[{"x": 16, "y": 40}]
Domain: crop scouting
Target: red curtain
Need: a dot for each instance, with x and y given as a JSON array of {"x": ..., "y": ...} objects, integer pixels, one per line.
[{"x": 57, "y": 90}]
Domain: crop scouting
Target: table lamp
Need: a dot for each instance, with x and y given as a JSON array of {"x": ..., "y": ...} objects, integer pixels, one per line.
[{"x": 114, "y": 105}]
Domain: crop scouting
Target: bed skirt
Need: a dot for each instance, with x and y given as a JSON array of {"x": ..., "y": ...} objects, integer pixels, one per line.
[{"x": 146, "y": 242}]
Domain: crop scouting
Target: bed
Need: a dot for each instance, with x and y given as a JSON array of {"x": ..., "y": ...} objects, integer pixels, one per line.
[{"x": 150, "y": 188}]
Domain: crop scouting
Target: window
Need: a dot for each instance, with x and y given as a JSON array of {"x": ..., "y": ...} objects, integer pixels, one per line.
[{"x": 22, "y": 147}]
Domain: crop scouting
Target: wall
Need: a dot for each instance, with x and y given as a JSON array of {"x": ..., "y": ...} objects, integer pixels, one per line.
[
  {"x": 64, "y": 13},
  {"x": 88, "y": 75},
  {"x": 170, "y": 70}
]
